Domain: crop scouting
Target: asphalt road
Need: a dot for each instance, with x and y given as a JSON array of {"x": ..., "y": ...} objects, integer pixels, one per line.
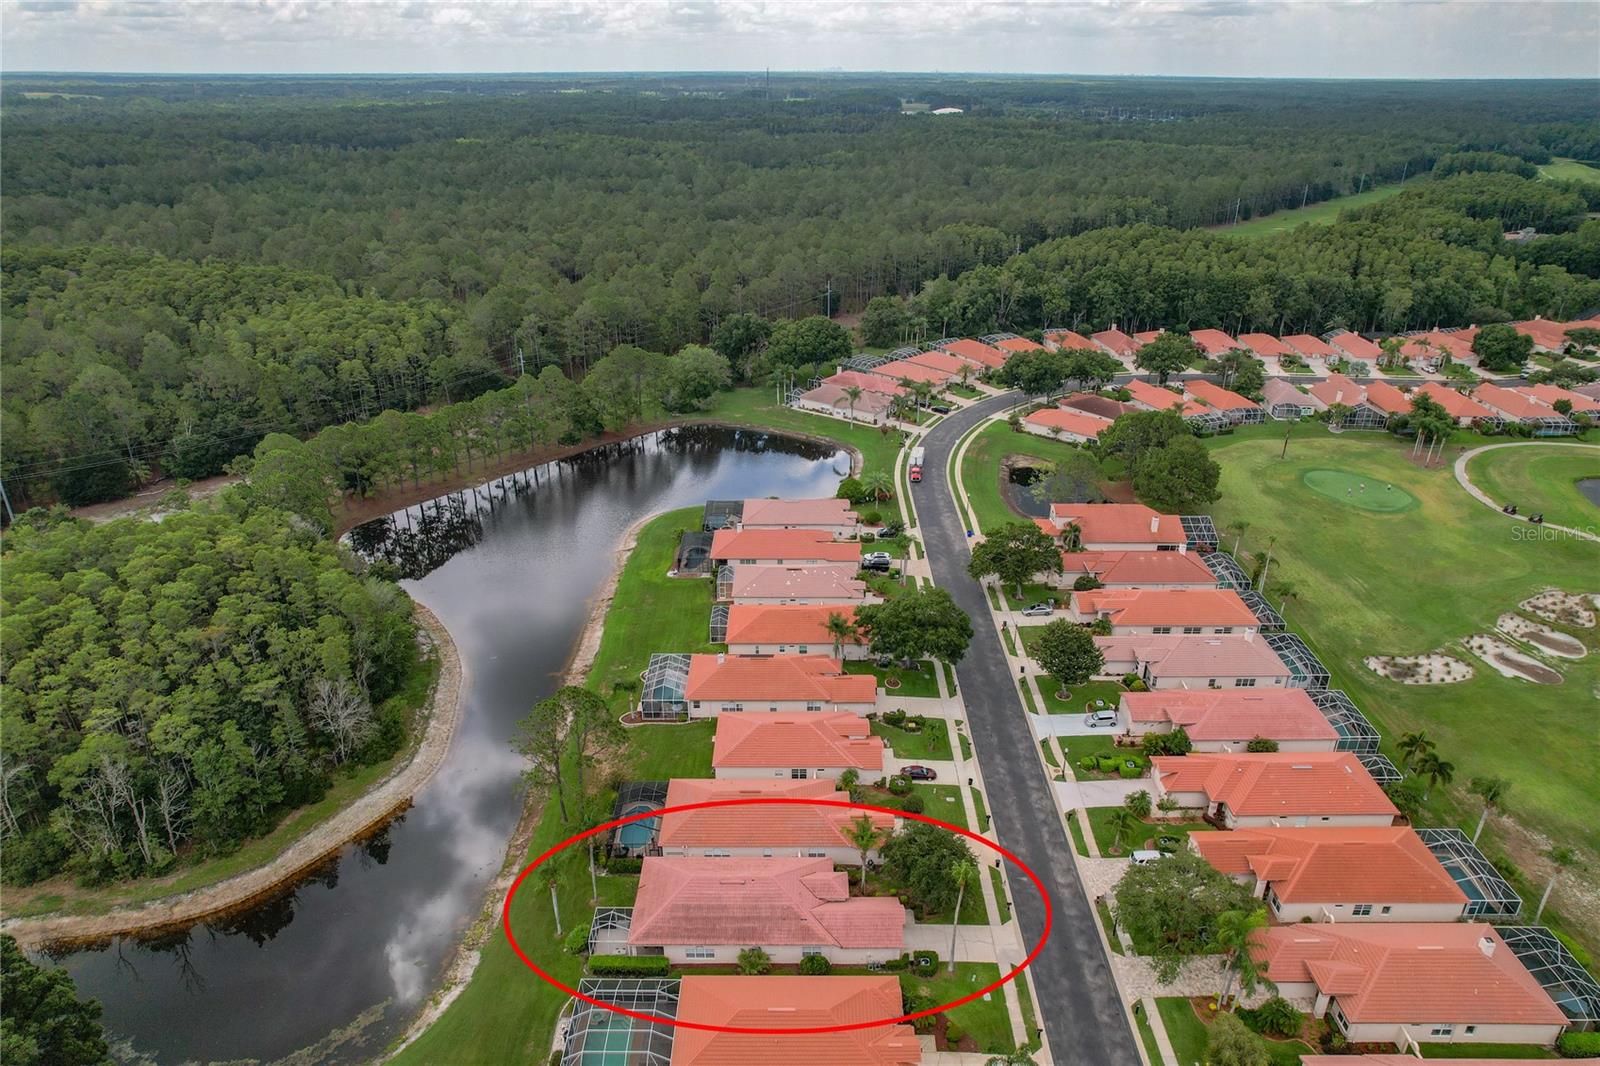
[{"x": 1077, "y": 997}]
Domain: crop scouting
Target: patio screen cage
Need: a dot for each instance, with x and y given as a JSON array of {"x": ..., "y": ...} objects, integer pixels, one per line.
[
  {"x": 1230, "y": 575},
  {"x": 596, "y": 1036},
  {"x": 1356, "y": 734},
  {"x": 1207, "y": 423},
  {"x": 634, "y": 795},
  {"x": 725, "y": 581},
  {"x": 1267, "y": 616},
  {"x": 665, "y": 680},
  {"x": 1305, "y": 669},
  {"x": 1551, "y": 426},
  {"x": 866, "y": 362},
  {"x": 694, "y": 553},
  {"x": 1488, "y": 894},
  {"x": 1383, "y": 771},
  {"x": 722, "y": 514},
  {"x": 1558, "y": 972},
  {"x": 608, "y": 933},
  {"x": 1199, "y": 531},
  {"x": 719, "y": 623},
  {"x": 996, "y": 338}
]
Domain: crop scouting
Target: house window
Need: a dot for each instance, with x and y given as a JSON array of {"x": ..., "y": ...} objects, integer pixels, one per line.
[
  {"x": 806, "y": 953},
  {"x": 1223, "y": 629},
  {"x": 1442, "y": 1030},
  {"x": 1161, "y": 629},
  {"x": 1469, "y": 1030},
  {"x": 798, "y": 773},
  {"x": 766, "y": 853},
  {"x": 1244, "y": 682},
  {"x": 1273, "y": 901},
  {"x": 816, "y": 853},
  {"x": 717, "y": 853},
  {"x": 1386, "y": 910},
  {"x": 1191, "y": 630},
  {"x": 731, "y": 708},
  {"x": 1211, "y": 682},
  {"x": 699, "y": 953},
  {"x": 813, "y": 707},
  {"x": 803, "y": 649},
  {"x": 1361, "y": 910}
]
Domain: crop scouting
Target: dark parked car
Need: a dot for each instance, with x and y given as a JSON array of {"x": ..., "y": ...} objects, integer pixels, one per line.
[
  {"x": 940, "y": 408},
  {"x": 919, "y": 773}
]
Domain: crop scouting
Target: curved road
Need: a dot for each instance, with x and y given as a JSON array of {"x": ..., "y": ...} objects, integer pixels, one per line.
[
  {"x": 1482, "y": 497},
  {"x": 1078, "y": 999}
]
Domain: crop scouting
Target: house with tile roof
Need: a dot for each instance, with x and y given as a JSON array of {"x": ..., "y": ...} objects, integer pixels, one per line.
[
  {"x": 1067, "y": 424},
  {"x": 1516, "y": 405},
  {"x": 832, "y": 400},
  {"x": 1068, "y": 340},
  {"x": 1547, "y": 336},
  {"x": 1237, "y": 409},
  {"x": 1549, "y": 394},
  {"x": 943, "y": 362},
  {"x": 833, "y": 584},
  {"x": 1355, "y": 346},
  {"x": 1457, "y": 344},
  {"x": 767, "y": 830},
  {"x": 791, "y": 629},
  {"x": 1117, "y": 527},
  {"x": 795, "y": 747},
  {"x": 1147, "y": 336},
  {"x": 700, "y": 911},
  {"x": 977, "y": 353},
  {"x": 1395, "y": 983},
  {"x": 782, "y": 1002},
  {"x": 1115, "y": 342},
  {"x": 1287, "y": 403},
  {"x": 1388, "y": 399},
  {"x": 1181, "y": 569},
  {"x": 1308, "y": 346},
  {"x": 866, "y": 382},
  {"x": 1338, "y": 389},
  {"x": 902, "y": 371},
  {"x": 829, "y": 513},
  {"x": 1338, "y": 874},
  {"x": 1096, "y": 404},
  {"x": 1213, "y": 342},
  {"x": 1458, "y": 405},
  {"x": 1151, "y": 397},
  {"x": 781, "y": 547},
  {"x": 1264, "y": 346},
  {"x": 1197, "y": 662},
  {"x": 775, "y": 684},
  {"x": 1274, "y": 789},
  {"x": 1225, "y": 720},
  {"x": 1154, "y": 612}
]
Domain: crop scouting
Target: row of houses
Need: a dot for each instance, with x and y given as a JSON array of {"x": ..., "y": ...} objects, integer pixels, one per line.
[
  {"x": 1081, "y": 417},
  {"x": 1491, "y": 407}
]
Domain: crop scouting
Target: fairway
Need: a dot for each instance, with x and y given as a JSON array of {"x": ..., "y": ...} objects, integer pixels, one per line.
[
  {"x": 1314, "y": 214},
  {"x": 1365, "y": 492},
  {"x": 1540, "y": 480},
  {"x": 1411, "y": 583},
  {"x": 1569, "y": 170}
]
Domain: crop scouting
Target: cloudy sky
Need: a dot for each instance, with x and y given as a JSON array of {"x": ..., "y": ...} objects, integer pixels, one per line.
[{"x": 1362, "y": 38}]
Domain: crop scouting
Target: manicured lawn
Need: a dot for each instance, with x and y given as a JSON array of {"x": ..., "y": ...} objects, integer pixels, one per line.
[
  {"x": 754, "y": 407},
  {"x": 1486, "y": 1051},
  {"x": 1147, "y": 1035},
  {"x": 983, "y": 812},
  {"x": 982, "y": 469},
  {"x": 1112, "y": 940},
  {"x": 986, "y": 1020},
  {"x": 916, "y": 681},
  {"x": 1079, "y": 747},
  {"x": 966, "y": 392},
  {"x": 1355, "y": 489},
  {"x": 1569, "y": 170},
  {"x": 1079, "y": 698},
  {"x": 1036, "y": 593},
  {"x": 1360, "y": 583},
  {"x": 1316, "y": 214},
  {"x": 1076, "y": 832},
  {"x": 942, "y": 802},
  {"x": 1100, "y": 825},
  {"x": 1541, "y": 480},
  {"x": 1190, "y": 1036},
  {"x": 1002, "y": 903},
  {"x": 1049, "y": 754},
  {"x": 931, "y": 742}
]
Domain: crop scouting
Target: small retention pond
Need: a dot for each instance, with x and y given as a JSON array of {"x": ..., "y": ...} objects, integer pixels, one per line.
[
  {"x": 332, "y": 970},
  {"x": 1590, "y": 488}
]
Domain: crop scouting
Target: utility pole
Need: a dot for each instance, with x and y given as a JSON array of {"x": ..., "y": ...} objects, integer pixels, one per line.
[
  {"x": 828, "y": 296},
  {"x": 5, "y": 498},
  {"x": 1305, "y": 195},
  {"x": 522, "y": 366}
]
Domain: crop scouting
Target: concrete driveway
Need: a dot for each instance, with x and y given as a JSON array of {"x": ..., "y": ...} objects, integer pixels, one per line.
[{"x": 1108, "y": 793}]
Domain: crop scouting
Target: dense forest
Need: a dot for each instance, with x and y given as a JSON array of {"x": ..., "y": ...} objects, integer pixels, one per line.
[{"x": 193, "y": 264}]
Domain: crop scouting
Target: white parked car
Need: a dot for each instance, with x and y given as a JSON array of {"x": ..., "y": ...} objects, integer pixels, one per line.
[
  {"x": 1037, "y": 610},
  {"x": 1097, "y": 719},
  {"x": 1146, "y": 857}
]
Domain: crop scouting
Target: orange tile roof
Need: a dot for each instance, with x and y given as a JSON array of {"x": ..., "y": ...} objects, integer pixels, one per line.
[
  {"x": 1095, "y": 404},
  {"x": 1408, "y": 972},
  {"x": 941, "y": 361},
  {"x": 1147, "y": 336},
  {"x": 1166, "y": 607},
  {"x": 1120, "y": 523},
  {"x": 1231, "y": 714},
  {"x": 1202, "y": 655},
  {"x": 775, "y": 902},
  {"x": 1458, "y": 345},
  {"x": 783, "y": 544},
  {"x": 786, "y": 623},
  {"x": 1551, "y": 393},
  {"x": 823, "y": 511},
  {"x": 1282, "y": 784},
  {"x": 1456, "y": 404},
  {"x": 865, "y": 382},
  {"x": 1139, "y": 567},
  {"x": 1070, "y": 340},
  {"x": 776, "y": 677},
  {"x": 786, "y": 740},
  {"x": 1217, "y": 396},
  {"x": 1265, "y": 345},
  {"x": 1070, "y": 421},
  {"x": 1356, "y": 346},
  {"x": 1545, "y": 333},
  {"x": 1153, "y": 395},
  {"x": 1213, "y": 341},
  {"x": 1336, "y": 388},
  {"x": 1116, "y": 342},
  {"x": 832, "y": 395},
  {"x": 1308, "y": 345},
  {"x": 1512, "y": 403},
  {"x": 826, "y": 580},
  {"x": 905, "y": 370},
  {"x": 977, "y": 352},
  {"x": 1376, "y": 864},
  {"x": 1018, "y": 344},
  {"x": 792, "y": 1002},
  {"x": 776, "y": 825},
  {"x": 1388, "y": 399}
]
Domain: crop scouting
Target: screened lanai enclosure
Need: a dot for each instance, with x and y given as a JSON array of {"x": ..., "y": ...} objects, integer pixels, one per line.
[
  {"x": 637, "y": 838},
  {"x": 662, "y": 697},
  {"x": 1199, "y": 531},
  {"x": 1305, "y": 669},
  {"x": 1558, "y": 972},
  {"x": 1488, "y": 894},
  {"x": 1230, "y": 575},
  {"x": 595, "y": 1036},
  {"x": 1356, "y": 734},
  {"x": 694, "y": 554}
]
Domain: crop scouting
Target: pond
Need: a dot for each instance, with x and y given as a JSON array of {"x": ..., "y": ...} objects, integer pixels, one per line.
[
  {"x": 1590, "y": 488},
  {"x": 1016, "y": 485},
  {"x": 334, "y": 969}
]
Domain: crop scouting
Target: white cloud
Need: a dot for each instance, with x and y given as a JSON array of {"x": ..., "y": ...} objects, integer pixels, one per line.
[{"x": 1389, "y": 38}]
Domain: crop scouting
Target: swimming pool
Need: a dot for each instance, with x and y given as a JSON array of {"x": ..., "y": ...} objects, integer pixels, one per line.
[{"x": 640, "y": 834}]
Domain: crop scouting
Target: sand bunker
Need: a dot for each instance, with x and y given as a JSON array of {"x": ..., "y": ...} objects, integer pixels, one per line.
[
  {"x": 1563, "y": 608},
  {"x": 1435, "y": 668},
  {"x": 1509, "y": 661},
  {"x": 1542, "y": 637}
]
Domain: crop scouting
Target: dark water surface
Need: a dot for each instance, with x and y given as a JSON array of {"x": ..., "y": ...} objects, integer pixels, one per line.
[
  {"x": 339, "y": 964},
  {"x": 1590, "y": 488}
]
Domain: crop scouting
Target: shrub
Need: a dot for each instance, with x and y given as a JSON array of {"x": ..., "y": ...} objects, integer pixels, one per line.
[
  {"x": 577, "y": 941},
  {"x": 623, "y": 864},
  {"x": 1086, "y": 582},
  {"x": 872, "y": 517},
  {"x": 1109, "y": 764},
  {"x": 754, "y": 961},
  {"x": 868, "y": 538},
  {"x": 954, "y": 1033},
  {"x": 1578, "y": 1045},
  {"x": 1088, "y": 764},
  {"x": 816, "y": 966},
  {"x": 1129, "y": 769},
  {"x": 900, "y": 785},
  {"x": 913, "y": 804},
  {"x": 1015, "y": 422},
  {"x": 1138, "y": 686},
  {"x": 1260, "y": 744},
  {"x": 1129, "y": 680},
  {"x": 896, "y": 717},
  {"x": 895, "y": 965},
  {"x": 848, "y": 780},
  {"x": 1138, "y": 802},
  {"x": 629, "y": 965},
  {"x": 1277, "y": 1017},
  {"x": 925, "y": 961}
]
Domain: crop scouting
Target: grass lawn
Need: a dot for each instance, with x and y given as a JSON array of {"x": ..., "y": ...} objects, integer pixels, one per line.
[
  {"x": 1112, "y": 940},
  {"x": 917, "y": 681},
  {"x": 931, "y": 742},
  {"x": 1316, "y": 214},
  {"x": 1002, "y": 904},
  {"x": 1486, "y": 1051},
  {"x": 1569, "y": 170},
  {"x": 1076, "y": 832},
  {"x": 1078, "y": 747},
  {"x": 1036, "y": 592},
  {"x": 1079, "y": 698},
  {"x": 754, "y": 407},
  {"x": 983, "y": 811},
  {"x": 1100, "y": 825},
  {"x": 1147, "y": 1035},
  {"x": 1190, "y": 1036},
  {"x": 966, "y": 392},
  {"x": 1361, "y": 583},
  {"x": 986, "y": 1020},
  {"x": 982, "y": 468},
  {"x": 1049, "y": 754},
  {"x": 1541, "y": 480},
  {"x": 942, "y": 802}
]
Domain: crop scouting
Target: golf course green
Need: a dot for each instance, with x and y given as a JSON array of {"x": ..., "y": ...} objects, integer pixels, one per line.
[
  {"x": 1365, "y": 491},
  {"x": 1540, "y": 479}
]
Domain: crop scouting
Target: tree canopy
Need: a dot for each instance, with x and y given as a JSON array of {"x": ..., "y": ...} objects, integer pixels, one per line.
[
  {"x": 1174, "y": 905},
  {"x": 918, "y": 623},
  {"x": 1015, "y": 553},
  {"x": 44, "y": 1020}
]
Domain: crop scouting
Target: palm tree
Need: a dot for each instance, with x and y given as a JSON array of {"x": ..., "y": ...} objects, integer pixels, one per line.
[
  {"x": 1233, "y": 932},
  {"x": 1492, "y": 790},
  {"x": 1563, "y": 857},
  {"x": 840, "y": 629},
  {"x": 864, "y": 836},
  {"x": 853, "y": 394},
  {"x": 879, "y": 484},
  {"x": 1435, "y": 770},
  {"x": 962, "y": 871},
  {"x": 1413, "y": 746},
  {"x": 1124, "y": 823}
]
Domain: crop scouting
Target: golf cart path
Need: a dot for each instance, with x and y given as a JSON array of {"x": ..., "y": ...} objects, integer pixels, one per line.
[{"x": 1483, "y": 497}]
